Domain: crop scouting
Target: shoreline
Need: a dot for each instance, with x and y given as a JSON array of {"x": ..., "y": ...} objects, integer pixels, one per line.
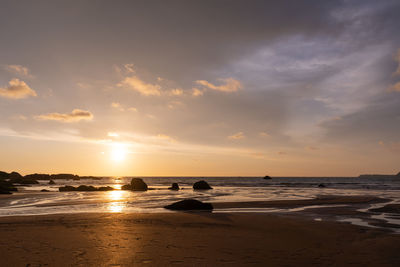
[{"x": 190, "y": 238}]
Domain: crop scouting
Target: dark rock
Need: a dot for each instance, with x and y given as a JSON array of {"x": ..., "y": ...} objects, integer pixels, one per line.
[
  {"x": 189, "y": 204},
  {"x": 38, "y": 176},
  {"x": 15, "y": 175},
  {"x": 52, "y": 182},
  {"x": 3, "y": 175},
  {"x": 126, "y": 187},
  {"x": 201, "y": 185},
  {"x": 84, "y": 188},
  {"x": 321, "y": 185},
  {"x": 65, "y": 176},
  {"x": 105, "y": 188},
  {"x": 7, "y": 187},
  {"x": 266, "y": 177},
  {"x": 398, "y": 174},
  {"x": 66, "y": 188},
  {"x": 137, "y": 184},
  {"x": 44, "y": 190},
  {"x": 22, "y": 180},
  {"x": 174, "y": 186}
]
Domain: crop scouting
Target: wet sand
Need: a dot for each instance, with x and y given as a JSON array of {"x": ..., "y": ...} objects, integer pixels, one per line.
[{"x": 191, "y": 239}]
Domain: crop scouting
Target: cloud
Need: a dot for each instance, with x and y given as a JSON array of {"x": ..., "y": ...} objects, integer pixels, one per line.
[
  {"x": 197, "y": 92},
  {"x": 17, "y": 89},
  {"x": 231, "y": 85},
  {"x": 236, "y": 136},
  {"x": 264, "y": 134},
  {"x": 397, "y": 58},
  {"x": 135, "y": 83},
  {"x": 176, "y": 92},
  {"x": 130, "y": 68},
  {"x": 18, "y": 69},
  {"x": 395, "y": 87},
  {"x": 75, "y": 116},
  {"x": 117, "y": 105}
]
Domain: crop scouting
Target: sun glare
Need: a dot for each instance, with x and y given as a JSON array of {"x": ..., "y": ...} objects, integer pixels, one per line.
[{"x": 118, "y": 152}]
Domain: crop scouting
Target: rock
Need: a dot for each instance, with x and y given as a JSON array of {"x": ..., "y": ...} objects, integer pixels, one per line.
[
  {"x": 23, "y": 180},
  {"x": 126, "y": 187},
  {"x": 201, "y": 185},
  {"x": 38, "y": 176},
  {"x": 105, "y": 188},
  {"x": 52, "y": 182},
  {"x": 66, "y": 188},
  {"x": 174, "y": 186},
  {"x": 266, "y": 177},
  {"x": 189, "y": 204},
  {"x": 3, "y": 175},
  {"x": 137, "y": 184},
  {"x": 7, "y": 187},
  {"x": 84, "y": 188},
  {"x": 65, "y": 176},
  {"x": 398, "y": 174},
  {"x": 15, "y": 175},
  {"x": 321, "y": 185},
  {"x": 44, "y": 190}
]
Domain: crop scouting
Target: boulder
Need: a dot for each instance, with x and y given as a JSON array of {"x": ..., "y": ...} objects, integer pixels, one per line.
[
  {"x": 22, "y": 180},
  {"x": 44, "y": 190},
  {"x": 137, "y": 184},
  {"x": 266, "y": 177},
  {"x": 52, "y": 182},
  {"x": 201, "y": 185},
  {"x": 66, "y": 188},
  {"x": 37, "y": 176},
  {"x": 126, "y": 187},
  {"x": 189, "y": 204},
  {"x": 321, "y": 185},
  {"x": 174, "y": 186}
]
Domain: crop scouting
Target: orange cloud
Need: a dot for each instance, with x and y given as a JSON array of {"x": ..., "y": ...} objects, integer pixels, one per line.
[
  {"x": 75, "y": 116},
  {"x": 17, "y": 89},
  {"x": 231, "y": 85},
  {"x": 135, "y": 83},
  {"x": 394, "y": 87},
  {"x": 18, "y": 69},
  {"x": 236, "y": 136}
]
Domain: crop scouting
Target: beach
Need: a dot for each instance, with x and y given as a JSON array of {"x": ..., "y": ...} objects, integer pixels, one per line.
[{"x": 191, "y": 239}]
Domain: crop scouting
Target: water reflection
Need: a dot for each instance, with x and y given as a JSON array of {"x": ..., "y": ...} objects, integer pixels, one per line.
[{"x": 116, "y": 197}]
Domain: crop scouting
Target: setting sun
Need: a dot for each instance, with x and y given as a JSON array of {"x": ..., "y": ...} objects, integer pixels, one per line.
[{"x": 118, "y": 152}]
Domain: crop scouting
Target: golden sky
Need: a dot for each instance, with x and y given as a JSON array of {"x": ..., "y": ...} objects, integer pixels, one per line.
[{"x": 206, "y": 88}]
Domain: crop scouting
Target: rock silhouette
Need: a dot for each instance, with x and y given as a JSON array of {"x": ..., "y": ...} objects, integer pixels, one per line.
[
  {"x": 201, "y": 185},
  {"x": 189, "y": 204},
  {"x": 174, "y": 186},
  {"x": 85, "y": 188},
  {"x": 266, "y": 177},
  {"x": 137, "y": 184},
  {"x": 52, "y": 182}
]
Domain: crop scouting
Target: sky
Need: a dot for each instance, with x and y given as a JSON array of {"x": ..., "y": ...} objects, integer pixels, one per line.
[{"x": 200, "y": 88}]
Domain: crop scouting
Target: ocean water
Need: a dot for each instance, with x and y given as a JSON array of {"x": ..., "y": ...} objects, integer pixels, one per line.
[{"x": 30, "y": 201}]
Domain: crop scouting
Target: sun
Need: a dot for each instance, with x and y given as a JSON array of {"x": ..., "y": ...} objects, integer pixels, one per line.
[{"x": 118, "y": 152}]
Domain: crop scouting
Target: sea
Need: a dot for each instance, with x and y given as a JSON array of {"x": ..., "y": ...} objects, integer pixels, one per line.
[{"x": 29, "y": 200}]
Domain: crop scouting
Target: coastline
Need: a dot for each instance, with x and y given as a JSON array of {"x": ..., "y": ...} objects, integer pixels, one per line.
[{"x": 194, "y": 239}]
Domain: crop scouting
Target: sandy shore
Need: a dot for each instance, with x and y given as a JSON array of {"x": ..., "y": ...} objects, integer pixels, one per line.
[{"x": 191, "y": 239}]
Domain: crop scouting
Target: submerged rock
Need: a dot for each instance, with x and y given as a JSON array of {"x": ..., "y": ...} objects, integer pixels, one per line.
[
  {"x": 321, "y": 185},
  {"x": 201, "y": 185},
  {"x": 266, "y": 177},
  {"x": 44, "y": 190},
  {"x": 189, "y": 204},
  {"x": 52, "y": 182},
  {"x": 174, "y": 186},
  {"x": 137, "y": 184}
]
